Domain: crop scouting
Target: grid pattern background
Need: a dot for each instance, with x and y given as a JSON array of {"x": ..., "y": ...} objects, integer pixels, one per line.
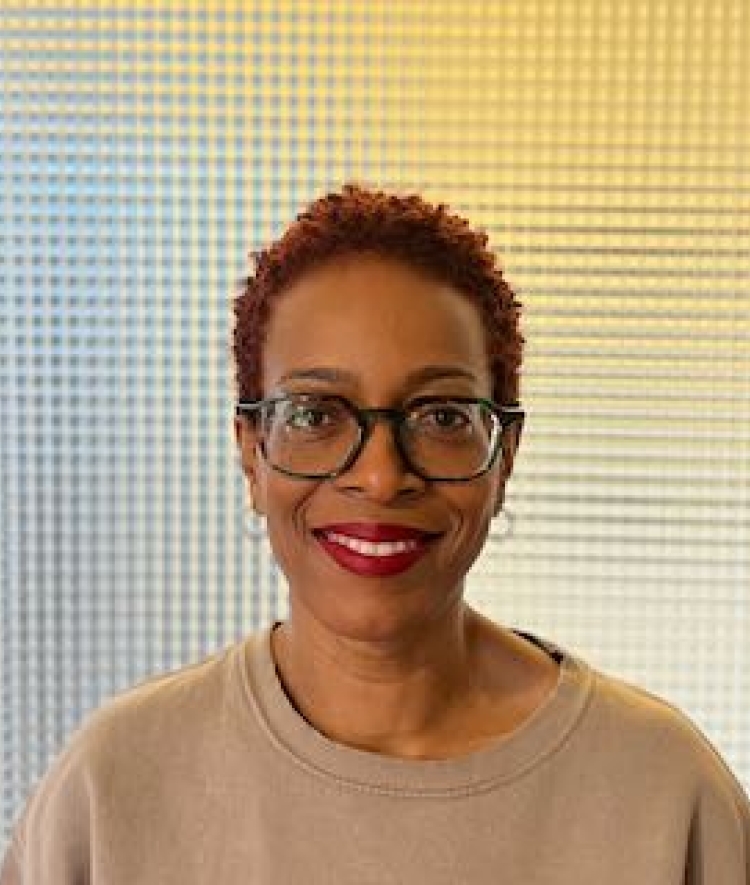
[{"x": 145, "y": 147}]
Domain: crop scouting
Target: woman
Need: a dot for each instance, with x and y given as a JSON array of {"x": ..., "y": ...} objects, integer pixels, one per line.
[{"x": 386, "y": 732}]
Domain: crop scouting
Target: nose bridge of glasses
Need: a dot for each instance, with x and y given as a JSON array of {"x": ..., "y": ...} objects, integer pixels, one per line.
[
  {"x": 370, "y": 418},
  {"x": 373, "y": 416}
]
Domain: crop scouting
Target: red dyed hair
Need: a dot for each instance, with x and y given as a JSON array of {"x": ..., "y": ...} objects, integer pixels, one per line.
[{"x": 426, "y": 237}]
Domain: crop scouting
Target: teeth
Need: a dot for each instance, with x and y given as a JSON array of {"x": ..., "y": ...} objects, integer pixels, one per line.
[{"x": 370, "y": 548}]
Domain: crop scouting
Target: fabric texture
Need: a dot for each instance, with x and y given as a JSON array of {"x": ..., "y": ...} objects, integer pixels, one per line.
[{"x": 208, "y": 774}]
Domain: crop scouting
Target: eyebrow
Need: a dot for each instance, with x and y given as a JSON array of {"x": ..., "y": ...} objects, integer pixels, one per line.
[{"x": 341, "y": 376}]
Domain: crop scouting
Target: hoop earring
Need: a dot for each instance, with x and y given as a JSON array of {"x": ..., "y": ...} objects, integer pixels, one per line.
[
  {"x": 249, "y": 523},
  {"x": 505, "y": 523},
  {"x": 249, "y": 514}
]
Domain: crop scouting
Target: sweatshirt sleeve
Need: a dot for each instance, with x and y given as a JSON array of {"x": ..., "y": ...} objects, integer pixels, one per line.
[
  {"x": 10, "y": 872},
  {"x": 719, "y": 840},
  {"x": 50, "y": 843}
]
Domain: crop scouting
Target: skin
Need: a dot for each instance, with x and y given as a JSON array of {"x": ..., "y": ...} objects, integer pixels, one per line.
[{"x": 397, "y": 665}]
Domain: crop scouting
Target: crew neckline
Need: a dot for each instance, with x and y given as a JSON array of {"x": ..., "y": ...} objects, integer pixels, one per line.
[{"x": 508, "y": 757}]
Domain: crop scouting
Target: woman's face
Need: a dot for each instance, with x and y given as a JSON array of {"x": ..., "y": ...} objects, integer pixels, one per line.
[{"x": 380, "y": 334}]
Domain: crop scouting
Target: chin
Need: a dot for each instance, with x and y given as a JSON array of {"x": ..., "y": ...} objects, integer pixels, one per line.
[{"x": 378, "y": 620}]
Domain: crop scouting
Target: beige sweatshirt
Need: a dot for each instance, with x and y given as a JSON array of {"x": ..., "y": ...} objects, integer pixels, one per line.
[{"x": 208, "y": 776}]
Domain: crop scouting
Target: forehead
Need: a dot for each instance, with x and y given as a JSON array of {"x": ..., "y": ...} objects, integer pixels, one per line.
[{"x": 379, "y": 320}]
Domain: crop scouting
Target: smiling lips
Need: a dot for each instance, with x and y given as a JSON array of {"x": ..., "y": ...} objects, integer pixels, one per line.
[{"x": 374, "y": 549}]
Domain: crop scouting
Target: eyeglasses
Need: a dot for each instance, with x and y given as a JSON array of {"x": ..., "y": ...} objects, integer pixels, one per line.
[{"x": 317, "y": 436}]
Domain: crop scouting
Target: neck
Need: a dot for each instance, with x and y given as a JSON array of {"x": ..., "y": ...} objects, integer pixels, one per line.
[{"x": 392, "y": 696}]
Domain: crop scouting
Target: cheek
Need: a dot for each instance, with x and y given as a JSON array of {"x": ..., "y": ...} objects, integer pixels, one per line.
[
  {"x": 473, "y": 508},
  {"x": 476, "y": 500},
  {"x": 285, "y": 503}
]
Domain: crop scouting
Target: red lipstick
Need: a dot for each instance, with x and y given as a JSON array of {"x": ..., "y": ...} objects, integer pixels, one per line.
[
  {"x": 374, "y": 549},
  {"x": 377, "y": 531}
]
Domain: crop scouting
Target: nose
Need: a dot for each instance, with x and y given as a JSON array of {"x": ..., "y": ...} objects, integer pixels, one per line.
[{"x": 379, "y": 472}]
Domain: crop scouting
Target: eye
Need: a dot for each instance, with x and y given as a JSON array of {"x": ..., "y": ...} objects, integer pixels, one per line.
[
  {"x": 304, "y": 416},
  {"x": 444, "y": 418},
  {"x": 308, "y": 416}
]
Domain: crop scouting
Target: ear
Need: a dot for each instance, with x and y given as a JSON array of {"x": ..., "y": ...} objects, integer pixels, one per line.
[{"x": 246, "y": 437}]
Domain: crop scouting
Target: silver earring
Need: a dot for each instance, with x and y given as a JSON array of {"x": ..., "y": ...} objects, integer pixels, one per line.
[
  {"x": 503, "y": 524},
  {"x": 248, "y": 524},
  {"x": 249, "y": 514}
]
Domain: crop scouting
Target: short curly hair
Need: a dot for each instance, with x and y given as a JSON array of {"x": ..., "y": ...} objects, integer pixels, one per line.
[{"x": 408, "y": 229}]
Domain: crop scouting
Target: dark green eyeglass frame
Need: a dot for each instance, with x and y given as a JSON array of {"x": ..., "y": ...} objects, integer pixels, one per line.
[{"x": 508, "y": 416}]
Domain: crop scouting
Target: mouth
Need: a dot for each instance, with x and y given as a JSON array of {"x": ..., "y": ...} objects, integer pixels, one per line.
[{"x": 372, "y": 549}]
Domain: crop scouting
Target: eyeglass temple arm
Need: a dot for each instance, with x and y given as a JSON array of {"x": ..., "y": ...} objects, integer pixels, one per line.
[{"x": 248, "y": 407}]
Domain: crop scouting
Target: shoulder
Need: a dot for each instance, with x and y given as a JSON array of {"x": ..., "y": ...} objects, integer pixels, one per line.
[
  {"x": 635, "y": 757},
  {"x": 626, "y": 734},
  {"x": 119, "y": 772},
  {"x": 649, "y": 740},
  {"x": 165, "y": 707},
  {"x": 156, "y": 728}
]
